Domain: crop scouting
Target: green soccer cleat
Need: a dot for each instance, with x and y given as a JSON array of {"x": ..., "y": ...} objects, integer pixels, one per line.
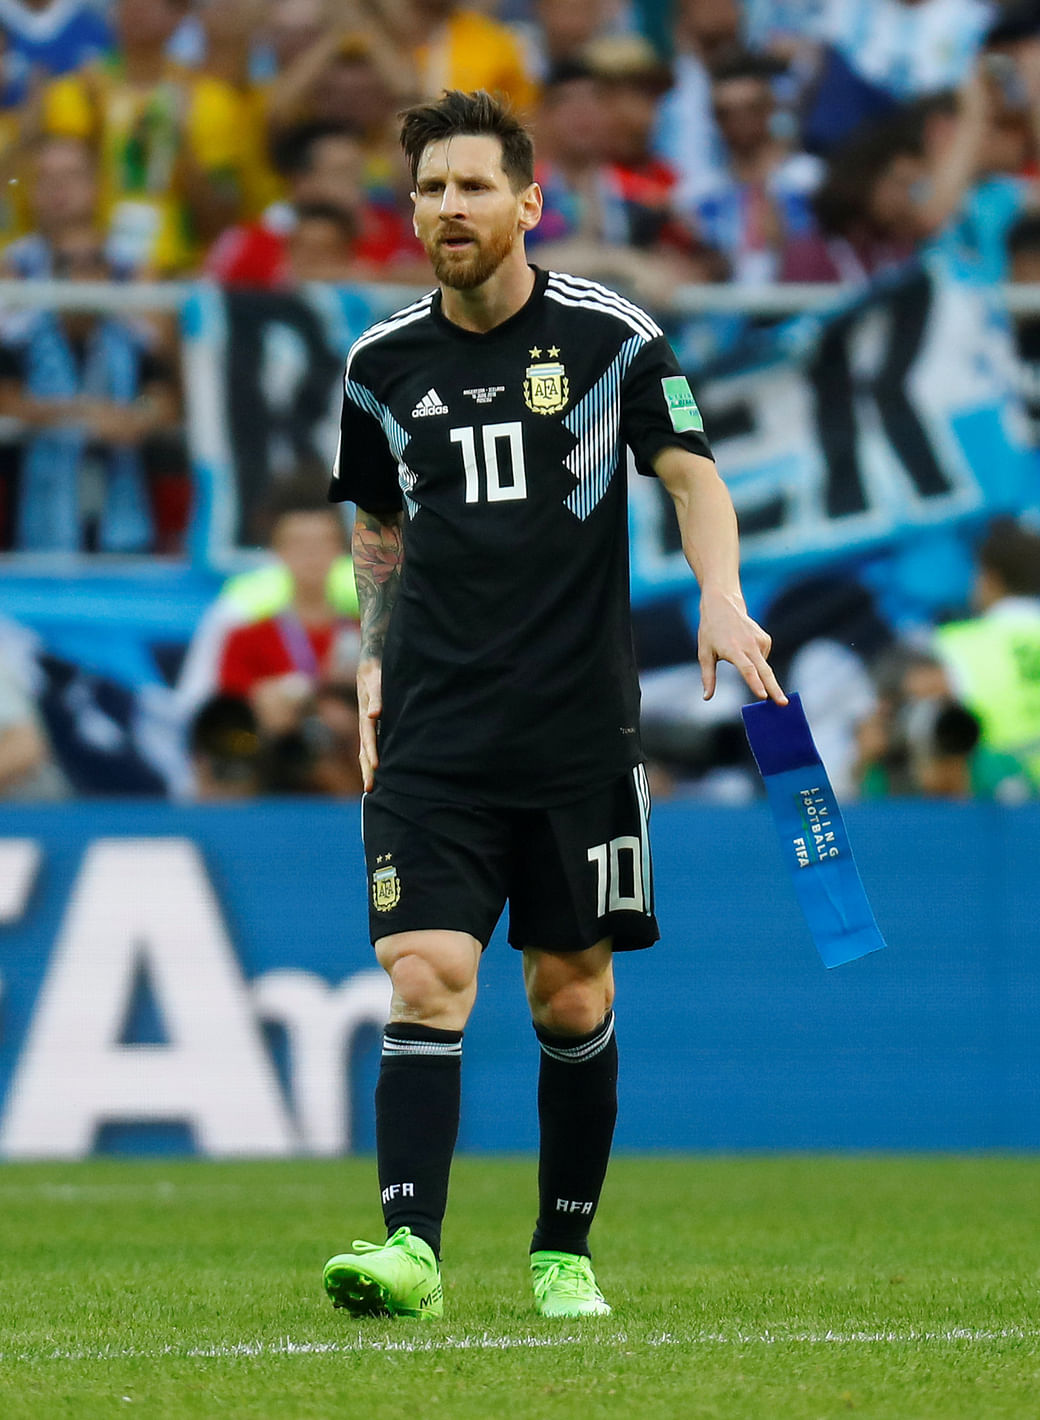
[
  {"x": 400, "y": 1277},
  {"x": 565, "y": 1285}
]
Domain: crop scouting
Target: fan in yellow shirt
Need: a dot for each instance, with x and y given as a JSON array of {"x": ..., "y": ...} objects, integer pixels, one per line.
[
  {"x": 171, "y": 143},
  {"x": 463, "y": 49}
]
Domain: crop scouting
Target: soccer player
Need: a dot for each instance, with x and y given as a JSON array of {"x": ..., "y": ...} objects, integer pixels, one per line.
[{"x": 483, "y": 441}]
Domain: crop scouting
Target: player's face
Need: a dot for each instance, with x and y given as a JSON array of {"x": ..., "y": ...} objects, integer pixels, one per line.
[{"x": 467, "y": 215}]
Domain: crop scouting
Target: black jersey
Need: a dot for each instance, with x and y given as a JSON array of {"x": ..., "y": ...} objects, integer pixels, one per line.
[{"x": 508, "y": 672}]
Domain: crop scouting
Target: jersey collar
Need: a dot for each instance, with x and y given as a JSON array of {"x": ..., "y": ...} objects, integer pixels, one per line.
[{"x": 517, "y": 319}]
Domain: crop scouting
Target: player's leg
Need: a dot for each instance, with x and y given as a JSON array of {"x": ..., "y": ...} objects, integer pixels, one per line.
[
  {"x": 420, "y": 871},
  {"x": 571, "y": 996},
  {"x": 586, "y": 891},
  {"x": 434, "y": 978}
]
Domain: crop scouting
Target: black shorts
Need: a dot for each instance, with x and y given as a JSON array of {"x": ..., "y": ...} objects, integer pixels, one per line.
[{"x": 572, "y": 875}]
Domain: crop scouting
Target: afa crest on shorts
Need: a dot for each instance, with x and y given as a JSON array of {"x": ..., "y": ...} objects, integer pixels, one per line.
[
  {"x": 546, "y": 387},
  {"x": 386, "y": 889}
]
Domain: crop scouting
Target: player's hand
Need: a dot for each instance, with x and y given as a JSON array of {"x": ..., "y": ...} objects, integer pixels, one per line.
[
  {"x": 370, "y": 707},
  {"x": 727, "y": 633}
]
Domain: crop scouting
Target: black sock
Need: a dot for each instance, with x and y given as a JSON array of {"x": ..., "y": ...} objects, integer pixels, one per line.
[
  {"x": 577, "y": 1107},
  {"x": 417, "y": 1123}
]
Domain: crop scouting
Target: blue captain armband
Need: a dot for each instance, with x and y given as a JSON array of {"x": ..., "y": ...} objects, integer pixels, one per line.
[{"x": 812, "y": 832}]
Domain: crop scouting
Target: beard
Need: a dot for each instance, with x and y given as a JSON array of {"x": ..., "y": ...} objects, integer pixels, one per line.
[{"x": 464, "y": 272}]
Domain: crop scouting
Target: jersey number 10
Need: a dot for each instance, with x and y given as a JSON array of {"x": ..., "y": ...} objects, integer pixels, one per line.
[
  {"x": 492, "y": 435},
  {"x": 610, "y": 877}
]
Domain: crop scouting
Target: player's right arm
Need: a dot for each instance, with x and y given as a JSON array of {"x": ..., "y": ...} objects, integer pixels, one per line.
[
  {"x": 366, "y": 473},
  {"x": 378, "y": 552}
]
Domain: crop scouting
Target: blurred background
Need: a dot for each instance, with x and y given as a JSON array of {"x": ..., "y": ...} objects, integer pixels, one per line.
[{"x": 833, "y": 207}]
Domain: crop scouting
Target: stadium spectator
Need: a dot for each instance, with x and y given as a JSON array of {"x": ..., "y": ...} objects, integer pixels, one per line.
[
  {"x": 276, "y": 661},
  {"x": 454, "y": 47},
  {"x": 225, "y": 751},
  {"x": 87, "y": 391},
  {"x": 46, "y": 38},
  {"x": 171, "y": 142},
  {"x": 259, "y": 595},
  {"x": 633, "y": 79},
  {"x": 62, "y": 199},
  {"x": 921, "y": 741},
  {"x": 322, "y": 164},
  {"x": 28, "y": 771},
  {"x": 560, "y": 31},
  {"x": 587, "y": 225},
  {"x": 223, "y": 40},
  {"x": 762, "y": 201},
  {"x": 705, "y": 33},
  {"x": 866, "y": 209},
  {"x": 296, "y": 669},
  {"x": 993, "y": 660},
  {"x": 351, "y": 77},
  {"x": 322, "y": 246}
]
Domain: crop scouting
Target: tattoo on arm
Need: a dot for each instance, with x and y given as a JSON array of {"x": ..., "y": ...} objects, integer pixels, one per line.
[{"x": 378, "y": 552}]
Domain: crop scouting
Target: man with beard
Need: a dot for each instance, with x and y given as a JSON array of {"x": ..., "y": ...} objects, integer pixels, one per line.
[{"x": 483, "y": 442}]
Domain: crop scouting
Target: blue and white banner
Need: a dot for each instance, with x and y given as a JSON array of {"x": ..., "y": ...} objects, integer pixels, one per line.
[
  {"x": 264, "y": 387},
  {"x": 877, "y": 434}
]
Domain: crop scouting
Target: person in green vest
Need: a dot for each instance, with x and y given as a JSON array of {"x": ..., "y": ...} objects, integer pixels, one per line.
[
  {"x": 257, "y": 595},
  {"x": 992, "y": 661},
  {"x": 919, "y": 742}
]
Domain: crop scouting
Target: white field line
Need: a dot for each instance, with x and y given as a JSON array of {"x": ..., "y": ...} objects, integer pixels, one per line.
[{"x": 285, "y": 1346}]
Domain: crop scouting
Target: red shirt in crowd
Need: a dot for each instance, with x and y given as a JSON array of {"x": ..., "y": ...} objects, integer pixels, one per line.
[
  {"x": 256, "y": 254},
  {"x": 257, "y": 652}
]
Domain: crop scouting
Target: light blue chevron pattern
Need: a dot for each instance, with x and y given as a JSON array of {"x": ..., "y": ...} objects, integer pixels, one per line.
[
  {"x": 396, "y": 436},
  {"x": 596, "y": 423}
]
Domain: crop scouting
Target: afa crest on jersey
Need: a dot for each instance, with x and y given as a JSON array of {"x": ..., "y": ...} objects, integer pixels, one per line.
[
  {"x": 386, "y": 889},
  {"x": 546, "y": 387}
]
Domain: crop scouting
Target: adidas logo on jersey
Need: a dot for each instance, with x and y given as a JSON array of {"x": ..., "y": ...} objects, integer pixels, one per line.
[{"x": 430, "y": 403}]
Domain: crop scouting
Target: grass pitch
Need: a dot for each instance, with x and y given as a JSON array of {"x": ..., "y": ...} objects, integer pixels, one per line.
[{"x": 773, "y": 1288}]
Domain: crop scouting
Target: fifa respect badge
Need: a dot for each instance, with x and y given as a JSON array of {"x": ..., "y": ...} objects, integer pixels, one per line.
[{"x": 682, "y": 407}]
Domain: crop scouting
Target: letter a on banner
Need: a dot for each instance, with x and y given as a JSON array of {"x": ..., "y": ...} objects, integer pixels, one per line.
[{"x": 144, "y": 902}]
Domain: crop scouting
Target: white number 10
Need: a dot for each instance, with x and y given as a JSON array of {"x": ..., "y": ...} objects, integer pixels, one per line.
[
  {"x": 493, "y": 434},
  {"x": 607, "y": 858}
]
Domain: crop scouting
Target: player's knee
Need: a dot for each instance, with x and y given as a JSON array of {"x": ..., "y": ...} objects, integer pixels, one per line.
[
  {"x": 426, "y": 977},
  {"x": 574, "y": 1008}
]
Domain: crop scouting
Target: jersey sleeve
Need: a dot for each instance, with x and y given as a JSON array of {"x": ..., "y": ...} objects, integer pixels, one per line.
[
  {"x": 365, "y": 471},
  {"x": 658, "y": 410}
]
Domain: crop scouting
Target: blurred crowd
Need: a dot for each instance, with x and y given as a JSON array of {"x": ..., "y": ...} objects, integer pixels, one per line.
[{"x": 253, "y": 142}]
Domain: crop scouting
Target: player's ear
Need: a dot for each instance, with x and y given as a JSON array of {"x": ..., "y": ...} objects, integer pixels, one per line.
[
  {"x": 415, "y": 220},
  {"x": 530, "y": 207}
]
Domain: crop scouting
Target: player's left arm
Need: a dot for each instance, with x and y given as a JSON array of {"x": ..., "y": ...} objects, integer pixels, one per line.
[{"x": 708, "y": 525}]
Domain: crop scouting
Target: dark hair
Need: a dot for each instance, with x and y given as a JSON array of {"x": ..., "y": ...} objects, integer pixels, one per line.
[
  {"x": 745, "y": 64},
  {"x": 292, "y": 149},
  {"x": 304, "y": 491},
  {"x": 225, "y": 732},
  {"x": 1024, "y": 236},
  {"x": 1012, "y": 553},
  {"x": 568, "y": 71},
  {"x": 340, "y": 217},
  {"x": 840, "y": 202},
  {"x": 456, "y": 113}
]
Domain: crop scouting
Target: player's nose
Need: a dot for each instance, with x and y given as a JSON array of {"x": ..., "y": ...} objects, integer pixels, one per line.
[{"x": 452, "y": 203}]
